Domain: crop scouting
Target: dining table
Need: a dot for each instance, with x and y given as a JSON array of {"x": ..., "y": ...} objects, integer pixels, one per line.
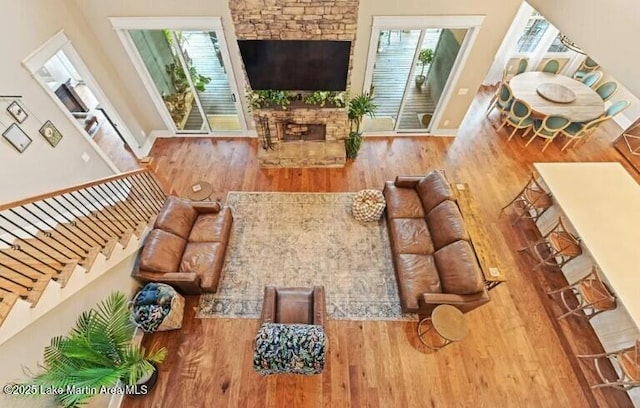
[{"x": 554, "y": 94}]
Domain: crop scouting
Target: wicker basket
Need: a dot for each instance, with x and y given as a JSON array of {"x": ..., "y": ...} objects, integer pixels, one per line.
[{"x": 173, "y": 319}]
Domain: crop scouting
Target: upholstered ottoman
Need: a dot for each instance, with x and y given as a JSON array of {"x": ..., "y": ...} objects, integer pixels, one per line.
[{"x": 368, "y": 205}]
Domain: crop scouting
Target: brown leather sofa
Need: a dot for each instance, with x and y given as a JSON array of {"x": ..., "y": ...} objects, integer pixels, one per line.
[
  {"x": 432, "y": 255},
  {"x": 293, "y": 305},
  {"x": 186, "y": 247}
]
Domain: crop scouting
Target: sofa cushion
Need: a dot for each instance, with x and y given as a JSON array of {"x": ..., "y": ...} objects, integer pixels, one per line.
[
  {"x": 402, "y": 202},
  {"x": 446, "y": 224},
  {"x": 434, "y": 189},
  {"x": 177, "y": 216},
  {"x": 205, "y": 259},
  {"x": 417, "y": 274},
  {"x": 162, "y": 252},
  {"x": 211, "y": 227},
  {"x": 410, "y": 236},
  {"x": 458, "y": 268}
]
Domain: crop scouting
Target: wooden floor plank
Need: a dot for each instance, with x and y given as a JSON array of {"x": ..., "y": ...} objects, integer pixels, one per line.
[{"x": 516, "y": 353}]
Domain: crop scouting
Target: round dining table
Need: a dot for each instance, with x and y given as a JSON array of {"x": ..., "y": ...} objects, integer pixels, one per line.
[{"x": 553, "y": 94}]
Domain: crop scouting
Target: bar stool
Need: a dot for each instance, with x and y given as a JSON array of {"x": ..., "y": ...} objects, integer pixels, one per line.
[
  {"x": 531, "y": 202},
  {"x": 628, "y": 372},
  {"x": 592, "y": 294},
  {"x": 556, "y": 247},
  {"x": 448, "y": 323}
]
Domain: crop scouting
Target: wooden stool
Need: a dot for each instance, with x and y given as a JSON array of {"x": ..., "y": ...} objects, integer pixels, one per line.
[{"x": 448, "y": 323}]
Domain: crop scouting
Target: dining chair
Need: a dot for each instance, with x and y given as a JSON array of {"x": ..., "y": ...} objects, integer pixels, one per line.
[
  {"x": 616, "y": 108},
  {"x": 547, "y": 128},
  {"x": 556, "y": 248},
  {"x": 627, "y": 373},
  {"x": 592, "y": 78},
  {"x": 522, "y": 66},
  {"x": 531, "y": 202},
  {"x": 588, "y": 65},
  {"x": 581, "y": 131},
  {"x": 607, "y": 90},
  {"x": 587, "y": 297},
  {"x": 552, "y": 65},
  {"x": 519, "y": 117},
  {"x": 502, "y": 100}
]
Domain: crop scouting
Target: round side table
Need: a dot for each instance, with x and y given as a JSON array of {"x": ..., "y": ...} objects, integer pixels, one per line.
[
  {"x": 200, "y": 191},
  {"x": 448, "y": 323}
]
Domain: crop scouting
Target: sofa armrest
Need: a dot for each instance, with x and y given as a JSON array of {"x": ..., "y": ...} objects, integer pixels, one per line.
[
  {"x": 318, "y": 305},
  {"x": 407, "y": 181},
  {"x": 269, "y": 305},
  {"x": 206, "y": 207},
  {"x": 185, "y": 282},
  {"x": 428, "y": 301}
]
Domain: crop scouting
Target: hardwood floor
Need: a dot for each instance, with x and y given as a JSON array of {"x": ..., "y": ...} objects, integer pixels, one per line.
[{"x": 516, "y": 353}]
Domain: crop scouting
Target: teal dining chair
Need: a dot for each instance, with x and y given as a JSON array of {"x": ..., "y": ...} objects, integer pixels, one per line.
[
  {"x": 607, "y": 90},
  {"x": 592, "y": 78},
  {"x": 547, "y": 128},
  {"x": 522, "y": 65},
  {"x": 616, "y": 108},
  {"x": 552, "y": 66},
  {"x": 579, "y": 131},
  {"x": 588, "y": 65},
  {"x": 501, "y": 100},
  {"x": 519, "y": 117}
]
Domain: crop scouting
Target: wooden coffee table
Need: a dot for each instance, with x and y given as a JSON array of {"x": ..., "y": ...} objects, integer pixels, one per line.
[
  {"x": 200, "y": 191},
  {"x": 448, "y": 323}
]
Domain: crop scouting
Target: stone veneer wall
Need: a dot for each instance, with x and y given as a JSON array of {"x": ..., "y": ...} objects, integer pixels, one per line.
[{"x": 300, "y": 20}]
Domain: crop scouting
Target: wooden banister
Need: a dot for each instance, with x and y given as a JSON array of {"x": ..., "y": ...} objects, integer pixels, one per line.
[{"x": 82, "y": 186}]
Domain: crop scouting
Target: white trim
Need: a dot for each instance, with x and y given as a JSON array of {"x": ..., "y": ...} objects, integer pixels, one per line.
[
  {"x": 36, "y": 60},
  {"x": 161, "y": 23},
  {"x": 422, "y": 22},
  {"x": 121, "y": 25}
]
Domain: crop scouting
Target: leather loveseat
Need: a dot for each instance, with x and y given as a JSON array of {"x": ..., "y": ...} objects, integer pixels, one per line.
[
  {"x": 433, "y": 258},
  {"x": 186, "y": 247}
]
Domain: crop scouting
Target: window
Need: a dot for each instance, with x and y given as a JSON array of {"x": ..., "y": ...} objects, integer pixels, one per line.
[
  {"x": 533, "y": 33},
  {"x": 557, "y": 45}
]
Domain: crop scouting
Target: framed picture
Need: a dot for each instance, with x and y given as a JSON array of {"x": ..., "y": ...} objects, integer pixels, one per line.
[
  {"x": 51, "y": 133},
  {"x": 17, "y": 137},
  {"x": 19, "y": 114}
]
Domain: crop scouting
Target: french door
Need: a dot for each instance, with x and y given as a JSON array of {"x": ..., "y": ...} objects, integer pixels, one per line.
[
  {"x": 410, "y": 90},
  {"x": 188, "y": 74}
]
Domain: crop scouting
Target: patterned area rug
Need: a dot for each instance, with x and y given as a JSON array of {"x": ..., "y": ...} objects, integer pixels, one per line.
[{"x": 305, "y": 239}]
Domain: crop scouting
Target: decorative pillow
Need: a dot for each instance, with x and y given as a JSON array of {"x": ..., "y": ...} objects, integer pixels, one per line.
[{"x": 289, "y": 349}]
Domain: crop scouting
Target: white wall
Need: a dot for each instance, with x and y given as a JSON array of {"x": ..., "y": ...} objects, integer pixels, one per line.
[
  {"x": 25, "y": 350},
  {"x": 26, "y": 25}
]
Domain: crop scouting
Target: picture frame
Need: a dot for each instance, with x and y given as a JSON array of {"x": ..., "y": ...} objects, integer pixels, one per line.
[
  {"x": 17, "y": 137},
  {"x": 17, "y": 111},
  {"x": 51, "y": 133}
]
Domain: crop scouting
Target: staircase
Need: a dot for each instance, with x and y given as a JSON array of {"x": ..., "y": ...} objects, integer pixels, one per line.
[{"x": 45, "y": 240}]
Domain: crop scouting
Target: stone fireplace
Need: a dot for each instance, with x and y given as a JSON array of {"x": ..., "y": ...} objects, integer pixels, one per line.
[{"x": 285, "y": 133}]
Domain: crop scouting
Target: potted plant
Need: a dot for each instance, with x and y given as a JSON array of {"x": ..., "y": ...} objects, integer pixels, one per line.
[
  {"x": 425, "y": 57},
  {"x": 95, "y": 355},
  {"x": 358, "y": 107}
]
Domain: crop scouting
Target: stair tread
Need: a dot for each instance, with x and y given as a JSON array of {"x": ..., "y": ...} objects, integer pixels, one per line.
[
  {"x": 47, "y": 244},
  {"x": 7, "y": 300}
]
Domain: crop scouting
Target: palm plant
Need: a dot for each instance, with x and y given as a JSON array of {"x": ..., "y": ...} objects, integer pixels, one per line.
[
  {"x": 358, "y": 107},
  {"x": 95, "y": 354}
]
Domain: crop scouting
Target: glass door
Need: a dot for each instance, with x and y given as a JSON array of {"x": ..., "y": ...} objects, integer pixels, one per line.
[
  {"x": 408, "y": 72},
  {"x": 420, "y": 102},
  {"x": 189, "y": 73}
]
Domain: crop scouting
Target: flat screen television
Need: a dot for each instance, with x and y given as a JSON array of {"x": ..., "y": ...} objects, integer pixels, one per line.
[{"x": 296, "y": 65}]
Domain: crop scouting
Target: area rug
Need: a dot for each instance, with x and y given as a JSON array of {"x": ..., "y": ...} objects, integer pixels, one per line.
[{"x": 305, "y": 239}]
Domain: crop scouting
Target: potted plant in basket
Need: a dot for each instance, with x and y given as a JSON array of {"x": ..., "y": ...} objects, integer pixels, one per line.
[
  {"x": 358, "y": 107},
  {"x": 95, "y": 355},
  {"x": 425, "y": 57}
]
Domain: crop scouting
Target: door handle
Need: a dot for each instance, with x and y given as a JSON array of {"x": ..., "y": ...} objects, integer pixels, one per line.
[{"x": 233, "y": 97}]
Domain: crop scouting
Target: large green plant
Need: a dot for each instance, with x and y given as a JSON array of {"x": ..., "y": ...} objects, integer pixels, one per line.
[
  {"x": 358, "y": 107},
  {"x": 179, "y": 78},
  {"x": 425, "y": 57},
  {"x": 95, "y": 354}
]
